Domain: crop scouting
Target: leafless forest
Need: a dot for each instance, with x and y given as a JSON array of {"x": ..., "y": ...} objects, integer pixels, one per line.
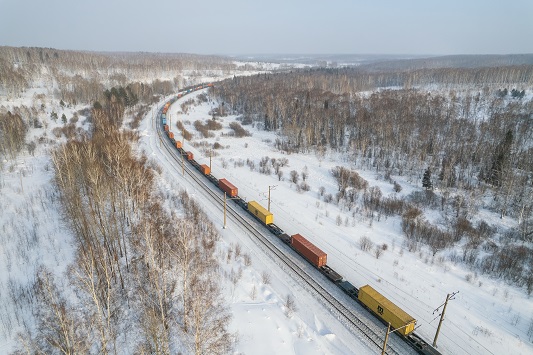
[
  {"x": 467, "y": 131},
  {"x": 82, "y": 77},
  {"x": 143, "y": 276}
]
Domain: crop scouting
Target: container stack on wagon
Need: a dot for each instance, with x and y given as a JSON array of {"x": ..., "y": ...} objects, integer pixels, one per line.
[
  {"x": 206, "y": 170},
  {"x": 309, "y": 251},
  {"x": 260, "y": 212},
  {"x": 386, "y": 310},
  {"x": 228, "y": 188}
]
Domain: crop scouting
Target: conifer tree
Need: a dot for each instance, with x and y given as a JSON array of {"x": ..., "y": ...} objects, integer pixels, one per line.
[
  {"x": 501, "y": 160},
  {"x": 426, "y": 180}
]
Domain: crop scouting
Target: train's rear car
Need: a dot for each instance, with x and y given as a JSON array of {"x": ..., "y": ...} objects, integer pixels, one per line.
[{"x": 386, "y": 310}]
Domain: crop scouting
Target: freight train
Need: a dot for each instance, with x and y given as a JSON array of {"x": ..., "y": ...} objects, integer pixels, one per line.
[{"x": 376, "y": 303}]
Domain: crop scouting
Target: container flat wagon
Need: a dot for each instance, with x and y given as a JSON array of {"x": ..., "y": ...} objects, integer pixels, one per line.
[
  {"x": 386, "y": 310},
  {"x": 309, "y": 251},
  {"x": 260, "y": 212},
  {"x": 228, "y": 187},
  {"x": 205, "y": 169}
]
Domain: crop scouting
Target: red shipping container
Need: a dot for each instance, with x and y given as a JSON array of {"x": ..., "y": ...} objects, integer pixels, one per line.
[
  {"x": 311, "y": 252},
  {"x": 205, "y": 169},
  {"x": 228, "y": 187},
  {"x": 166, "y": 127},
  {"x": 190, "y": 156},
  {"x": 178, "y": 144},
  {"x": 170, "y": 134}
]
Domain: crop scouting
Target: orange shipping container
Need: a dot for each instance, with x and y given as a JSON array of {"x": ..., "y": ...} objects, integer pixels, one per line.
[
  {"x": 311, "y": 252},
  {"x": 205, "y": 169},
  {"x": 228, "y": 187},
  {"x": 190, "y": 156},
  {"x": 178, "y": 144},
  {"x": 170, "y": 134}
]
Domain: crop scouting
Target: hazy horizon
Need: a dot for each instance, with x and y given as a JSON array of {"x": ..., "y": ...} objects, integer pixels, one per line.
[{"x": 238, "y": 27}]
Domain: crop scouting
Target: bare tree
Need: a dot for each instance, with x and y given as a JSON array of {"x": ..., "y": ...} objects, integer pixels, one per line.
[
  {"x": 290, "y": 306},
  {"x": 294, "y": 176},
  {"x": 209, "y": 318},
  {"x": 58, "y": 328}
]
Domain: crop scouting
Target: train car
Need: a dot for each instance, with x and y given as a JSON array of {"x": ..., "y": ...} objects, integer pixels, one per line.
[
  {"x": 228, "y": 187},
  {"x": 166, "y": 128},
  {"x": 190, "y": 155},
  {"x": 260, "y": 212},
  {"x": 164, "y": 121},
  {"x": 386, "y": 310},
  {"x": 170, "y": 135},
  {"x": 178, "y": 144},
  {"x": 348, "y": 288},
  {"x": 309, "y": 251},
  {"x": 331, "y": 274},
  {"x": 285, "y": 238},
  {"x": 206, "y": 170}
]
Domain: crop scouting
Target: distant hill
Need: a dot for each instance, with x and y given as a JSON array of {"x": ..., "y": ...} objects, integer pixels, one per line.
[
  {"x": 452, "y": 61},
  {"x": 381, "y": 62}
]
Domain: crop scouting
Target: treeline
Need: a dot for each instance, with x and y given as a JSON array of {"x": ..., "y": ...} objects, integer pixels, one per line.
[
  {"x": 462, "y": 138},
  {"x": 143, "y": 280},
  {"x": 81, "y": 77}
]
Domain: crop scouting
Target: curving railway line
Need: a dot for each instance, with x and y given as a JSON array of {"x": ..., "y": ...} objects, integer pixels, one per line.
[{"x": 366, "y": 330}]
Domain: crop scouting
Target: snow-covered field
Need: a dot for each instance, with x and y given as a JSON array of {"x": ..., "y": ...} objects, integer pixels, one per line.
[{"x": 486, "y": 316}]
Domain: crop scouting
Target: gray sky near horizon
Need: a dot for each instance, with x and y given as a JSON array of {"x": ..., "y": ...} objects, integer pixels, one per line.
[{"x": 415, "y": 27}]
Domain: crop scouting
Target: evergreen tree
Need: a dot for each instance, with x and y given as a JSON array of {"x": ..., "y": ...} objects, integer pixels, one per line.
[
  {"x": 426, "y": 180},
  {"x": 500, "y": 161},
  {"x": 64, "y": 118}
]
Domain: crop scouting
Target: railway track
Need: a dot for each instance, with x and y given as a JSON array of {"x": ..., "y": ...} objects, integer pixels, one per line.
[{"x": 372, "y": 337}]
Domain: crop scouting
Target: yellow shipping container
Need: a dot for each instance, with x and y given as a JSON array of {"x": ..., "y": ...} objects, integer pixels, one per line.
[
  {"x": 386, "y": 310},
  {"x": 260, "y": 212}
]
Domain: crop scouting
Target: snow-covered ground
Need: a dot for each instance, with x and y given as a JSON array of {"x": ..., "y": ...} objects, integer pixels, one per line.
[{"x": 486, "y": 316}]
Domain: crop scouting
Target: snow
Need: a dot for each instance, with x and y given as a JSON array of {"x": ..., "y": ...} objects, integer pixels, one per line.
[{"x": 486, "y": 316}]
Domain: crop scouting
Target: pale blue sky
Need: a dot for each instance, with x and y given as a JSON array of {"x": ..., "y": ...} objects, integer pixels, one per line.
[{"x": 275, "y": 26}]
